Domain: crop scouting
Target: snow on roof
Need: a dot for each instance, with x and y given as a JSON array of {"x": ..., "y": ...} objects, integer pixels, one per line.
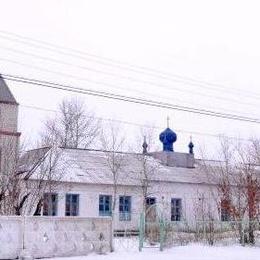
[
  {"x": 92, "y": 166},
  {"x": 30, "y": 159}
]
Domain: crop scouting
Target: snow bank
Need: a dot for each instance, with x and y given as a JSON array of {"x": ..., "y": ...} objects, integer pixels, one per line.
[{"x": 189, "y": 252}]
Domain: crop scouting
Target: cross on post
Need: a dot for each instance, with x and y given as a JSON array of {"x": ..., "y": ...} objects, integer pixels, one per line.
[{"x": 168, "y": 121}]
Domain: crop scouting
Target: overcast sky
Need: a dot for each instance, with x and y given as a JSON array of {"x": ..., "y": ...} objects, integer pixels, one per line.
[{"x": 216, "y": 42}]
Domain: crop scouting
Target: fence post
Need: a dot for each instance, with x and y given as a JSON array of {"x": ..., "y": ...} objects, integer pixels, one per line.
[
  {"x": 111, "y": 239},
  {"x": 204, "y": 231},
  {"x": 25, "y": 253},
  {"x": 162, "y": 227},
  {"x": 243, "y": 233},
  {"x": 141, "y": 231},
  {"x": 23, "y": 233}
]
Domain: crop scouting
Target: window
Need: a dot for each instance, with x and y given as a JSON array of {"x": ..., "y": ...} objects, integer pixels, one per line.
[
  {"x": 150, "y": 210},
  {"x": 175, "y": 209},
  {"x": 72, "y": 205},
  {"x": 50, "y": 201},
  {"x": 48, "y": 205},
  {"x": 150, "y": 201},
  {"x": 105, "y": 205},
  {"x": 225, "y": 210},
  {"x": 124, "y": 208}
]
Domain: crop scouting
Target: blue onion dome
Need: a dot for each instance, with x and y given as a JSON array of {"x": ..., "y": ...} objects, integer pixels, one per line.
[{"x": 168, "y": 137}]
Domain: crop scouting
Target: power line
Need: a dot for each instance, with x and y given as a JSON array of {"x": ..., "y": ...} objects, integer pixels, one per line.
[
  {"x": 57, "y": 61},
  {"x": 119, "y": 64},
  {"x": 70, "y": 76},
  {"x": 128, "y": 99},
  {"x": 83, "y": 79},
  {"x": 139, "y": 125},
  {"x": 96, "y": 82}
]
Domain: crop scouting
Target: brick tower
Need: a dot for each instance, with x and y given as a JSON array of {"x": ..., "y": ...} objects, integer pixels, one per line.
[{"x": 9, "y": 137}]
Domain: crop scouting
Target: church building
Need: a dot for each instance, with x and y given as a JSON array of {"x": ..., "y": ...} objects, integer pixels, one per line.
[
  {"x": 84, "y": 182},
  {"x": 87, "y": 186}
]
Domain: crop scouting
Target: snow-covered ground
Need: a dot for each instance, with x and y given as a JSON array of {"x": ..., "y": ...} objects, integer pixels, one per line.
[{"x": 128, "y": 251}]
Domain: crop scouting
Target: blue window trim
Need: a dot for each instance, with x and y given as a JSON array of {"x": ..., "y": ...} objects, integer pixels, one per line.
[
  {"x": 176, "y": 209},
  {"x": 105, "y": 205},
  {"x": 125, "y": 208}
]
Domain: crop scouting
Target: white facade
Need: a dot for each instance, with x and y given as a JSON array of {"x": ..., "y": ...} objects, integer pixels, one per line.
[
  {"x": 163, "y": 192},
  {"x": 85, "y": 173}
]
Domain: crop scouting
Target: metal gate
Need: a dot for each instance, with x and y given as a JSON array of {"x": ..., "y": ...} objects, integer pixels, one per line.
[{"x": 151, "y": 229}]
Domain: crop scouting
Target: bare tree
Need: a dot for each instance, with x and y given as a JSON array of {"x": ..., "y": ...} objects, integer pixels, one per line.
[
  {"x": 237, "y": 180},
  {"x": 42, "y": 171},
  {"x": 204, "y": 216},
  {"x": 112, "y": 142},
  {"x": 73, "y": 127},
  {"x": 151, "y": 137},
  {"x": 249, "y": 183},
  {"x": 31, "y": 174},
  {"x": 147, "y": 169},
  {"x": 9, "y": 154}
]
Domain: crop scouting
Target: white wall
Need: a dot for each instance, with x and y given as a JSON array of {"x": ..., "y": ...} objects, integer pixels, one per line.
[
  {"x": 189, "y": 194},
  {"x": 163, "y": 191},
  {"x": 89, "y": 202},
  {"x": 10, "y": 237},
  {"x": 53, "y": 236}
]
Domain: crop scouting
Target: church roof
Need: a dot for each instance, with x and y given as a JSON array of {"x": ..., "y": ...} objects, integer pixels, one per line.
[
  {"x": 92, "y": 167},
  {"x": 30, "y": 160},
  {"x": 6, "y": 95}
]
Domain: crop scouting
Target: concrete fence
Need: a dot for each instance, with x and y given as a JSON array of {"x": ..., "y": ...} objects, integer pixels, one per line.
[{"x": 54, "y": 236}]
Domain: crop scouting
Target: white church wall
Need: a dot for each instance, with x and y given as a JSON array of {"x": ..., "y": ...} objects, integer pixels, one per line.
[
  {"x": 190, "y": 194},
  {"x": 89, "y": 201}
]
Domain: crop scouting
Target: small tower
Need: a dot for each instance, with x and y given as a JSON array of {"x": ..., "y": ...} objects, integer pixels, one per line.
[
  {"x": 9, "y": 137},
  {"x": 168, "y": 137},
  {"x": 191, "y": 146},
  {"x": 145, "y": 146}
]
